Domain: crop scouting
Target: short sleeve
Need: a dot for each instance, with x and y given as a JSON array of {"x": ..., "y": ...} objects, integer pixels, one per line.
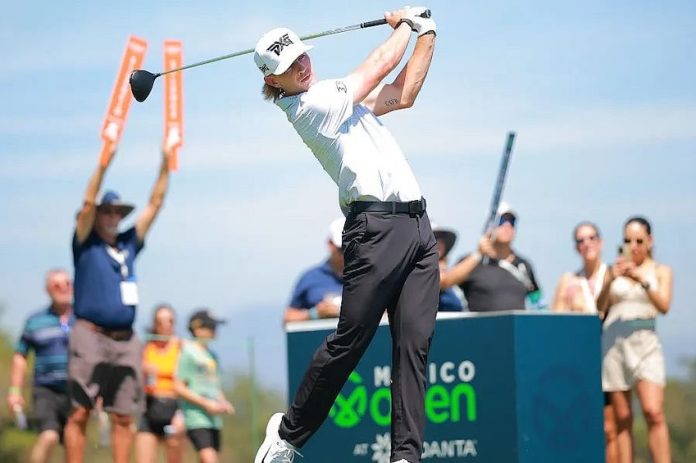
[
  {"x": 131, "y": 241},
  {"x": 77, "y": 247},
  {"x": 532, "y": 278},
  {"x": 184, "y": 366},
  {"x": 24, "y": 342},
  {"x": 298, "y": 299},
  {"x": 331, "y": 101}
]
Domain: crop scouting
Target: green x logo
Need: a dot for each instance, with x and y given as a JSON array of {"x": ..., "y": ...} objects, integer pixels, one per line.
[{"x": 347, "y": 412}]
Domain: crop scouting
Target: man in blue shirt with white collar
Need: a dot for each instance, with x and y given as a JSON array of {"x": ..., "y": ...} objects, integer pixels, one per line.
[
  {"x": 105, "y": 353},
  {"x": 317, "y": 294},
  {"x": 46, "y": 334}
]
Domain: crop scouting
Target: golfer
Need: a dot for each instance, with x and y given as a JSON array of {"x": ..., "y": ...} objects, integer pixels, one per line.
[{"x": 391, "y": 260}]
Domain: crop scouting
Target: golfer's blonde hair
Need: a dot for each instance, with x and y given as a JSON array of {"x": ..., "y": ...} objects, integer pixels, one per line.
[{"x": 271, "y": 93}]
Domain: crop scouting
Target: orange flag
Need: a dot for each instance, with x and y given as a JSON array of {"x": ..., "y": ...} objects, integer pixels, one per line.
[
  {"x": 121, "y": 96},
  {"x": 173, "y": 101}
]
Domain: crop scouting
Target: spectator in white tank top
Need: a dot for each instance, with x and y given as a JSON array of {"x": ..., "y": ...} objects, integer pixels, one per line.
[{"x": 639, "y": 289}]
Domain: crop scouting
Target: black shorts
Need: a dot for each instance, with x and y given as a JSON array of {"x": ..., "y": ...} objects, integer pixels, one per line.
[
  {"x": 159, "y": 413},
  {"x": 204, "y": 438},
  {"x": 51, "y": 409}
]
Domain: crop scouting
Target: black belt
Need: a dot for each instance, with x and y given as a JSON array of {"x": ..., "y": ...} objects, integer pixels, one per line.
[{"x": 411, "y": 207}]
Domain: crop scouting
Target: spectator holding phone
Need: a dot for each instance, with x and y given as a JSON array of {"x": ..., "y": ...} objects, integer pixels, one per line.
[{"x": 638, "y": 291}]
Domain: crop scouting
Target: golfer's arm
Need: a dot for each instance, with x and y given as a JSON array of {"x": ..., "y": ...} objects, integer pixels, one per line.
[
  {"x": 403, "y": 91},
  {"x": 460, "y": 271},
  {"x": 379, "y": 63},
  {"x": 159, "y": 191}
]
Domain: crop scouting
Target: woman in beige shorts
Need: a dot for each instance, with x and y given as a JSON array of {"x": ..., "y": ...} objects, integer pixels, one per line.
[{"x": 638, "y": 291}]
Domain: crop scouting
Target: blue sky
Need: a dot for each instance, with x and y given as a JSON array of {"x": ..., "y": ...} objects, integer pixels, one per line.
[{"x": 601, "y": 94}]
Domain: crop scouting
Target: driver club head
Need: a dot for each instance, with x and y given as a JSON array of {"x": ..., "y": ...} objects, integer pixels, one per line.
[{"x": 141, "y": 83}]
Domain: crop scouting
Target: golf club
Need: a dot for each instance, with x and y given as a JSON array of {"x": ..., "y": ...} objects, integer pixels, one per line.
[{"x": 141, "y": 81}]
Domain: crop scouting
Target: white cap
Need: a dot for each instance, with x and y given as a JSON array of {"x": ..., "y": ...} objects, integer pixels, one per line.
[
  {"x": 336, "y": 231},
  {"x": 505, "y": 208},
  {"x": 277, "y": 50}
]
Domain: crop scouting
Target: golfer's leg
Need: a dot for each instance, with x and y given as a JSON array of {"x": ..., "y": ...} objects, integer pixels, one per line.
[
  {"x": 367, "y": 290},
  {"x": 412, "y": 325}
]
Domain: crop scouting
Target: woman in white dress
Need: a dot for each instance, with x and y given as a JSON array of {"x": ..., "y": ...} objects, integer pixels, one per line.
[{"x": 638, "y": 291}]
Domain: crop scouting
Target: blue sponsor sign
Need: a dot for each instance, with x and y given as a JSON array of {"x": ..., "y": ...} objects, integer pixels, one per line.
[{"x": 518, "y": 387}]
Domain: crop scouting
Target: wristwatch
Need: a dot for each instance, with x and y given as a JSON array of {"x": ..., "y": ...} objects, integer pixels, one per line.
[{"x": 645, "y": 285}]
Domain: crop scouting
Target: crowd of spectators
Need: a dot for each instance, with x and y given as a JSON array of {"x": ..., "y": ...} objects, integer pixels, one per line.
[
  {"x": 88, "y": 357},
  {"x": 627, "y": 295}
]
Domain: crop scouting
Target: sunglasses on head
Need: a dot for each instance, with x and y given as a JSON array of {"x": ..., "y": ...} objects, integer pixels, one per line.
[
  {"x": 507, "y": 218},
  {"x": 591, "y": 239},
  {"x": 638, "y": 241}
]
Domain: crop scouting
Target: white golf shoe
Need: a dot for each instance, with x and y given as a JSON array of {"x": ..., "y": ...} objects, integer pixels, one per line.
[{"x": 274, "y": 449}]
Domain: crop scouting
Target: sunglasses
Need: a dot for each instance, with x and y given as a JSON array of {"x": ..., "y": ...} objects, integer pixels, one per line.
[
  {"x": 638, "y": 241},
  {"x": 507, "y": 218},
  {"x": 109, "y": 211},
  {"x": 591, "y": 239},
  {"x": 61, "y": 284}
]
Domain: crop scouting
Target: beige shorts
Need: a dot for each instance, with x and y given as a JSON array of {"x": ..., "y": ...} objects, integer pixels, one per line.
[
  {"x": 630, "y": 354},
  {"x": 103, "y": 365}
]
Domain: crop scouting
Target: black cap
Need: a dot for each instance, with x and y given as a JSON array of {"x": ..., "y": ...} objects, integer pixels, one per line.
[{"x": 203, "y": 319}]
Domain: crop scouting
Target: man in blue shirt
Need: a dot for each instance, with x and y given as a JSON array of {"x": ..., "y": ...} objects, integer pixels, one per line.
[
  {"x": 317, "y": 294},
  {"x": 46, "y": 334},
  {"x": 105, "y": 354},
  {"x": 451, "y": 299}
]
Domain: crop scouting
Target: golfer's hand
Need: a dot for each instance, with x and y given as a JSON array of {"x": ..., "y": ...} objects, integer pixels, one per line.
[
  {"x": 421, "y": 26},
  {"x": 393, "y": 17}
]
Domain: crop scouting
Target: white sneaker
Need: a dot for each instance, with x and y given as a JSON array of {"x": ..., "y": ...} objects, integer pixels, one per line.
[
  {"x": 401, "y": 461},
  {"x": 274, "y": 449}
]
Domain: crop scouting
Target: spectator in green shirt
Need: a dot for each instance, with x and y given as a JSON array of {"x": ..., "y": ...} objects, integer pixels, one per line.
[{"x": 199, "y": 387}]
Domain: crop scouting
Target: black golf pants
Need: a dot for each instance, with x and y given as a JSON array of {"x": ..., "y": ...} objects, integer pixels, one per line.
[{"x": 391, "y": 264}]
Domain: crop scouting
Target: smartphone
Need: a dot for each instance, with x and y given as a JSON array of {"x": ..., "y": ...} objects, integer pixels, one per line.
[{"x": 625, "y": 251}]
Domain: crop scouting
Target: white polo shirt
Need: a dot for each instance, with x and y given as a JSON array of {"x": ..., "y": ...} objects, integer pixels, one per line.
[{"x": 351, "y": 144}]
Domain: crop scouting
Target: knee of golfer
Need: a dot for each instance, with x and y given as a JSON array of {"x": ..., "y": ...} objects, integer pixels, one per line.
[
  {"x": 416, "y": 335},
  {"x": 80, "y": 416},
  {"x": 121, "y": 420}
]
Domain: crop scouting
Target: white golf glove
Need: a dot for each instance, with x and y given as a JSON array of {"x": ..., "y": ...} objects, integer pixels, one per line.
[{"x": 421, "y": 25}]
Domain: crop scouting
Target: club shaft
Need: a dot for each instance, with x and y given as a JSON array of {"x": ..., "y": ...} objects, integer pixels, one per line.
[
  {"x": 500, "y": 182},
  {"x": 376, "y": 22}
]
